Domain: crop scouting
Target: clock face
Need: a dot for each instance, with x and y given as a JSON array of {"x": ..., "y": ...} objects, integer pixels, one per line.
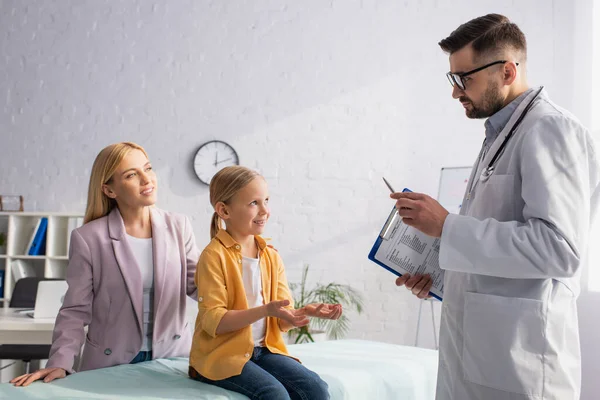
[{"x": 212, "y": 157}]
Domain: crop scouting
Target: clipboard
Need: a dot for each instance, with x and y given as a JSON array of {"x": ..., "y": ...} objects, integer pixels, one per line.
[{"x": 392, "y": 227}]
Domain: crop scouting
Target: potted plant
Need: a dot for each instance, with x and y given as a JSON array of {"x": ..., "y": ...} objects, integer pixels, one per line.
[{"x": 332, "y": 293}]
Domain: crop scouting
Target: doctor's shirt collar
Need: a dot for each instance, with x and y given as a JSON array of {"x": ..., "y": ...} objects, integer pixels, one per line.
[{"x": 497, "y": 122}]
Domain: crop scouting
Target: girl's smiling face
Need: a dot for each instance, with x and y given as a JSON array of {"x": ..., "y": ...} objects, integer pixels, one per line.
[{"x": 247, "y": 212}]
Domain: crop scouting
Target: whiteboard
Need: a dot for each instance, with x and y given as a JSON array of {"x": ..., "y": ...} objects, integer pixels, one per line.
[{"x": 453, "y": 185}]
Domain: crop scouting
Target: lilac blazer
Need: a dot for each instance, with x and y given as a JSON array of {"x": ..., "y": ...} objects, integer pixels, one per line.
[{"x": 105, "y": 293}]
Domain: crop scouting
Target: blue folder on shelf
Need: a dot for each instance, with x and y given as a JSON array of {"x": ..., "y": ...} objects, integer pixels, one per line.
[
  {"x": 38, "y": 246},
  {"x": 402, "y": 249}
]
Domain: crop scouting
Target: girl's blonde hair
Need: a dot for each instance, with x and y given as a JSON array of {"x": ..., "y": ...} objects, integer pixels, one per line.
[
  {"x": 105, "y": 165},
  {"x": 223, "y": 186}
]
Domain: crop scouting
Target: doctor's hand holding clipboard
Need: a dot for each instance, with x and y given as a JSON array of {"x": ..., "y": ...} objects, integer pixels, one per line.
[{"x": 426, "y": 214}]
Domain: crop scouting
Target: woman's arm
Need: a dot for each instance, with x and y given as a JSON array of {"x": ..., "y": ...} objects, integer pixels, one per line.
[
  {"x": 74, "y": 315},
  {"x": 76, "y": 311},
  {"x": 192, "y": 254}
]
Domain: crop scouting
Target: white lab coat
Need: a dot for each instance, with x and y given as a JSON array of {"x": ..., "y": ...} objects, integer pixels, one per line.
[{"x": 513, "y": 257}]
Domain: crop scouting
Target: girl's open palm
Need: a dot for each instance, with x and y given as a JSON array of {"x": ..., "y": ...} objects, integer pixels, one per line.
[
  {"x": 322, "y": 310},
  {"x": 296, "y": 318}
]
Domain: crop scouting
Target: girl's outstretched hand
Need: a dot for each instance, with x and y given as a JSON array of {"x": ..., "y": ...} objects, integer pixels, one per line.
[
  {"x": 295, "y": 318},
  {"x": 322, "y": 310}
]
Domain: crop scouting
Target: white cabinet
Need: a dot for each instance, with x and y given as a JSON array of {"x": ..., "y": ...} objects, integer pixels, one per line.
[{"x": 19, "y": 228}]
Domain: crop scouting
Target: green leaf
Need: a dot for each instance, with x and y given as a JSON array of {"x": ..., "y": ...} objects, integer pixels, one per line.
[{"x": 331, "y": 293}]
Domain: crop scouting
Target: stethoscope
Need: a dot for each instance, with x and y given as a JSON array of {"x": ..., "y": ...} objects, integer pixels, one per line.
[{"x": 489, "y": 170}]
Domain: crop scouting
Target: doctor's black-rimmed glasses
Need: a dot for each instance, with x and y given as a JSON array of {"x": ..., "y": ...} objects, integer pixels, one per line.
[{"x": 456, "y": 78}]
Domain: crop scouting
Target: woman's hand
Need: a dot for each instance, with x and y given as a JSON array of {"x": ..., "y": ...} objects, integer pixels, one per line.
[
  {"x": 296, "y": 318},
  {"x": 49, "y": 374},
  {"x": 322, "y": 310}
]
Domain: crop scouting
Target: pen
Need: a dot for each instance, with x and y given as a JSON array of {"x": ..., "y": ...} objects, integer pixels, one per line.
[
  {"x": 387, "y": 228},
  {"x": 389, "y": 186}
]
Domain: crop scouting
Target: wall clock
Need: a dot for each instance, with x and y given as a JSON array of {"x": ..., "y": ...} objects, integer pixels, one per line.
[{"x": 211, "y": 157}]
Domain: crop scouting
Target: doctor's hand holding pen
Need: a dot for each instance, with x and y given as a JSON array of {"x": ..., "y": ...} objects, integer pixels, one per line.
[
  {"x": 427, "y": 215},
  {"x": 421, "y": 212}
]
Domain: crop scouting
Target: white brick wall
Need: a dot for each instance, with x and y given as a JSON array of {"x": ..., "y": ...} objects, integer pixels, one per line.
[{"x": 322, "y": 97}]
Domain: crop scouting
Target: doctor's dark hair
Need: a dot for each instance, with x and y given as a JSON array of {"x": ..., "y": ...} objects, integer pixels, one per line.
[
  {"x": 223, "y": 186},
  {"x": 488, "y": 34}
]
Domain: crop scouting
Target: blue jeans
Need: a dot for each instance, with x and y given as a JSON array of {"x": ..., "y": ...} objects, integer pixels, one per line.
[
  {"x": 141, "y": 357},
  {"x": 268, "y": 376}
]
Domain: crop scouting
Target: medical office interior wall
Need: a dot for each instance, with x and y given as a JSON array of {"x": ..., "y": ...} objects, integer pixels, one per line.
[{"x": 324, "y": 98}]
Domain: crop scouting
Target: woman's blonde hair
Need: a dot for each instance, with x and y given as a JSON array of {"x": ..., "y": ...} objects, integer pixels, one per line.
[
  {"x": 105, "y": 165},
  {"x": 223, "y": 186}
]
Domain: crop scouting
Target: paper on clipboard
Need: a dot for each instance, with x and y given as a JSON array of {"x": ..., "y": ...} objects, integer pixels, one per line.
[{"x": 402, "y": 249}]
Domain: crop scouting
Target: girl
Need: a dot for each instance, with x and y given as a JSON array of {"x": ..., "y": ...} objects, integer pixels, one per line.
[
  {"x": 244, "y": 302},
  {"x": 131, "y": 266}
]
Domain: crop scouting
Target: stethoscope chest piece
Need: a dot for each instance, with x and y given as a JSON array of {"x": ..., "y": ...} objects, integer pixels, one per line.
[{"x": 486, "y": 173}]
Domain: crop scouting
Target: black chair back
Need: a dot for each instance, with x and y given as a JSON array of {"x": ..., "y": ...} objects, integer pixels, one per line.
[
  {"x": 23, "y": 296},
  {"x": 24, "y": 292}
]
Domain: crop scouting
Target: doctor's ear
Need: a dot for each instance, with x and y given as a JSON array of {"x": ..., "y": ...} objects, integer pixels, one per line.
[
  {"x": 221, "y": 210},
  {"x": 108, "y": 191},
  {"x": 510, "y": 72}
]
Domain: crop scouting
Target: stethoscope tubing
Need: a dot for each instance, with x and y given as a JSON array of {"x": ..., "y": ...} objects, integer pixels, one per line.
[{"x": 489, "y": 170}]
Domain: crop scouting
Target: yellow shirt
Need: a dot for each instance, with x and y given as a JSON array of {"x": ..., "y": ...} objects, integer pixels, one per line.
[{"x": 220, "y": 288}]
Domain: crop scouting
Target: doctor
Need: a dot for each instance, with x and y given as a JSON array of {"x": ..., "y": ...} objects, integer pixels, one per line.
[{"x": 513, "y": 256}]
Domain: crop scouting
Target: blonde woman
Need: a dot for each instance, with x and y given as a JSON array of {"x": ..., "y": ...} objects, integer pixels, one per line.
[
  {"x": 244, "y": 302},
  {"x": 131, "y": 266}
]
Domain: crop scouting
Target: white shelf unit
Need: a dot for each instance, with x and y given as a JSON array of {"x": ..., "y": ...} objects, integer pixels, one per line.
[{"x": 19, "y": 227}]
